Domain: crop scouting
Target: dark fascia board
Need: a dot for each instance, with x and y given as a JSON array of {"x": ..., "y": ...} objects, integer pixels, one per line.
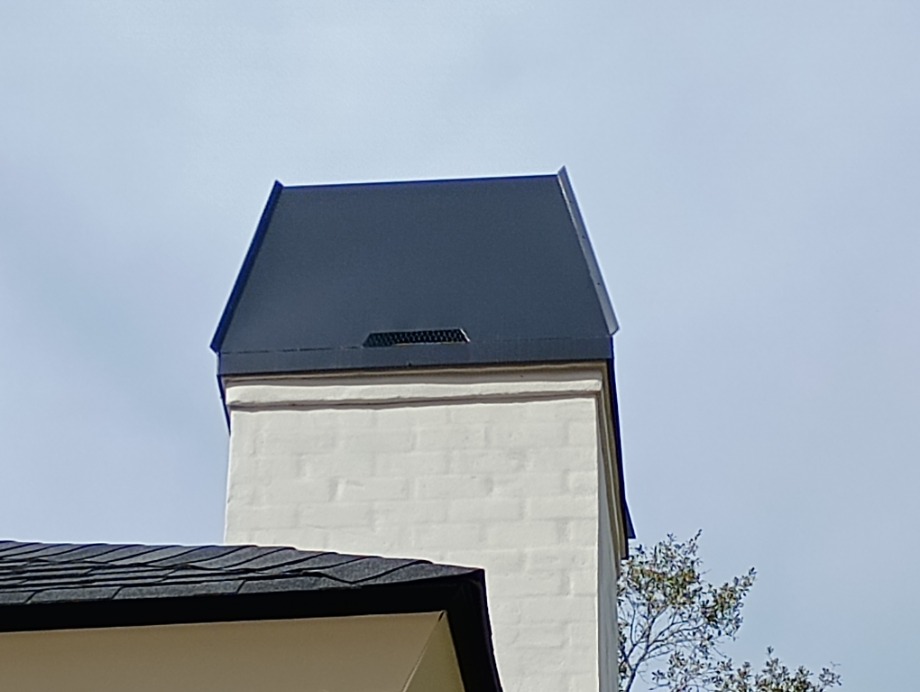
[{"x": 461, "y": 596}]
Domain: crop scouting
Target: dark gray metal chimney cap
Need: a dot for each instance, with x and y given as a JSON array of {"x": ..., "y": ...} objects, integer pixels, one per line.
[{"x": 388, "y": 275}]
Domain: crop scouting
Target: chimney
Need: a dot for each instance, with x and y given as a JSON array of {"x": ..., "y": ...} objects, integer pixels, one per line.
[{"x": 425, "y": 370}]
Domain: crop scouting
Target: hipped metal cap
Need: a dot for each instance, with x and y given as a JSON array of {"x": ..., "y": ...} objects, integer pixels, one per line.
[{"x": 487, "y": 271}]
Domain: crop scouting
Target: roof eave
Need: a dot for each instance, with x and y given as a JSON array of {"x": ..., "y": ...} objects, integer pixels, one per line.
[{"x": 462, "y": 596}]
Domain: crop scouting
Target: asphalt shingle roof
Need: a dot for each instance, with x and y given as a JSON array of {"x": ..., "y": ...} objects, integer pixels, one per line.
[
  {"x": 69, "y": 586},
  {"x": 41, "y": 573}
]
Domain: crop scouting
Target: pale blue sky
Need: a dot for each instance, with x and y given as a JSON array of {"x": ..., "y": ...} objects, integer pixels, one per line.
[{"x": 747, "y": 171}]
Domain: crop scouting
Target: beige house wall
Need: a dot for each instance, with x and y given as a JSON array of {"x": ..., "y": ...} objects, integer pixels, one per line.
[
  {"x": 508, "y": 469},
  {"x": 353, "y": 654}
]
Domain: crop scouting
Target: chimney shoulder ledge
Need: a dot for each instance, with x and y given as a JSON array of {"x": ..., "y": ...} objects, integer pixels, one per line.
[{"x": 243, "y": 393}]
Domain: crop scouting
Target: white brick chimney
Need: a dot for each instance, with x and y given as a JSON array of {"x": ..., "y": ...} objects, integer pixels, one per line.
[{"x": 499, "y": 451}]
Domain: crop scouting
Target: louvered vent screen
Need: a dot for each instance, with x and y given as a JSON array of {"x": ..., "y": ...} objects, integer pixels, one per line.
[{"x": 421, "y": 336}]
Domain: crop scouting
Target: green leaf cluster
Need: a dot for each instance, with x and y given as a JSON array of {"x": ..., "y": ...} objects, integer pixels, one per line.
[{"x": 673, "y": 622}]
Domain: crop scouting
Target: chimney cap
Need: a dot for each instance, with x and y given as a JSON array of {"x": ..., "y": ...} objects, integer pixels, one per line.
[{"x": 484, "y": 271}]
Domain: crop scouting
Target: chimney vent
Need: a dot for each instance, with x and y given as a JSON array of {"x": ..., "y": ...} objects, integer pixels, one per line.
[{"x": 417, "y": 336}]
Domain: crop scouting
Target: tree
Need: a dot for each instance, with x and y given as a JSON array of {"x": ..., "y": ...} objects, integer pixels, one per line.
[{"x": 673, "y": 622}]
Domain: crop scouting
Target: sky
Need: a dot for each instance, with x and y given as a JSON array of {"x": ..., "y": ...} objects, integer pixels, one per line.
[{"x": 747, "y": 173}]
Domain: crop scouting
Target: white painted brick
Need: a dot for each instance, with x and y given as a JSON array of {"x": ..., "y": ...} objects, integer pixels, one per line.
[
  {"x": 335, "y": 514},
  {"x": 582, "y": 582},
  {"x": 561, "y": 557},
  {"x": 451, "y": 486},
  {"x": 543, "y": 636},
  {"x": 450, "y": 437},
  {"x": 584, "y": 631},
  {"x": 377, "y": 440},
  {"x": 581, "y": 432},
  {"x": 277, "y": 439},
  {"x": 528, "y": 484},
  {"x": 241, "y": 493},
  {"x": 526, "y": 436},
  {"x": 530, "y": 583},
  {"x": 516, "y": 534},
  {"x": 487, "y": 461},
  {"x": 243, "y": 437},
  {"x": 559, "y": 459},
  {"x": 285, "y": 430},
  {"x": 336, "y": 465},
  {"x": 456, "y": 535},
  {"x": 408, "y": 513},
  {"x": 565, "y": 609},
  {"x": 580, "y": 682},
  {"x": 581, "y": 531},
  {"x": 555, "y": 410},
  {"x": 272, "y": 517},
  {"x": 561, "y": 507},
  {"x": 542, "y": 681},
  {"x": 582, "y": 483},
  {"x": 387, "y": 539},
  {"x": 486, "y": 509},
  {"x": 295, "y": 537},
  {"x": 296, "y": 492},
  {"x": 371, "y": 489},
  {"x": 542, "y": 660},
  {"x": 509, "y": 611},
  {"x": 508, "y": 561},
  {"x": 411, "y": 464},
  {"x": 275, "y": 468}
]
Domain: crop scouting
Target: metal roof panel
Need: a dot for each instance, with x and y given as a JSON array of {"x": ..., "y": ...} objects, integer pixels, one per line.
[{"x": 505, "y": 260}]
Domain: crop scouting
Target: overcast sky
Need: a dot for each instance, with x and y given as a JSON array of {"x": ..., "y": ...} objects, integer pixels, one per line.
[{"x": 748, "y": 172}]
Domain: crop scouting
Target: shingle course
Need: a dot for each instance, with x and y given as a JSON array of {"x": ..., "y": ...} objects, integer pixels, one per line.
[
  {"x": 279, "y": 557},
  {"x": 41, "y": 573},
  {"x": 80, "y": 593}
]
